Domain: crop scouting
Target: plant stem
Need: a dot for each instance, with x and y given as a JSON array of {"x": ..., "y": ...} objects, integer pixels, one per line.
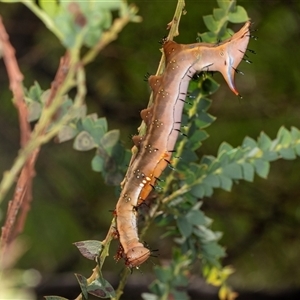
[{"x": 124, "y": 276}]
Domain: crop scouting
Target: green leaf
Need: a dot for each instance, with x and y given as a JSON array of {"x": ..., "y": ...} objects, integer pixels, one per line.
[
  {"x": 196, "y": 217},
  {"x": 97, "y": 128},
  {"x": 270, "y": 156},
  {"x": 208, "y": 190},
  {"x": 188, "y": 156},
  {"x": 208, "y": 37},
  {"x": 93, "y": 37},
  {"x": 238, "y": 16},
  {"x": 110, "y": 138},
  {"x": 210, "y": 23},
  {"x": 102, "y": 123},
  {"x": 101, "y": 288},
  {"x": 88, "y": 123},
  {"x": 236, "y": 154},
  {"x": 248, "y": 171},
  {"x": 212, "y": 252},
  {"x": 84, "y": 142},
  {"x": 207, "y": 160},
  {"x": 98, "y": 20},
  {"x": 284, "y": 136},
  {"x": 184, "y": 226},
  {"x": 226, "y": 183},
  {"x": 287, "y": 153},
  {"x": 97, "y": 163},
  {"x": 50, "y": 7},
  {"x": 212, "y": 180},
  {"x": 34, "y": 111},
  {"x": 223, "y": 158},
  {"x": 195, "y": 138},
  {"x": 204, "y": 119},
  {"x": 219, "y": 13},
  {"x": 249, "y": 143},
  {"x": 66, "y": 133},
  {"x": 262, "y": 168},
  {"x": 209, "y": 85},
  {"x": 264, "y": 142},
  {"x": 89, "y": 249},
  {"x": 204, "y": 103},
  {"x": 224, "y": 147},
  {"x": 200, "y": 135},
  {"x": 255, "y": 153},
  {"x": 83, "y": 284},
  {"x": 35, "y": 92},
  {"x": 206, "y": 234},
  {"x": 67, "y": 103},
  {"x": 63, "y": 20},
  {"x": 233, "y": 171},
  {"x": 190, "y": 176},
  {"x": 224, "y": 4},
  {"x": 215, "y": 167},
  {"x": 295, "y": 132}
]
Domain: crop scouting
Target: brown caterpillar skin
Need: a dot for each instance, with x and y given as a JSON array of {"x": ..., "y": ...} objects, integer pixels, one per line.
[{"x": 163, "y": 119}]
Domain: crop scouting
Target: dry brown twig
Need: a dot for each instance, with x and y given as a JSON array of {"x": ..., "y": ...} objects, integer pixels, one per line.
[
  {"x": 19, "y": 206},
  {"x": 22, "y": 194}
]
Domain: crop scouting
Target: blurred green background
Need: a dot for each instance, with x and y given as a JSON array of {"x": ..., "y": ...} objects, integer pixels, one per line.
[{"x": 260, "y": 221}]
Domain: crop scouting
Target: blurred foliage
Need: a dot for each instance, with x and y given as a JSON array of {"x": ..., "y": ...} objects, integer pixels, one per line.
[{"x": 259, "y": 221}]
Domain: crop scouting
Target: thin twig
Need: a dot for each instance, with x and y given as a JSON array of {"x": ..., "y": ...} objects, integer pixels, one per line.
[
  {"x": 15, "y": 83},
  {"x": 20, "y": 204},
  {"x": 25, "y": 207},
  {"x": 22, "y": 195},
  {"x": 119, "y": 292}
]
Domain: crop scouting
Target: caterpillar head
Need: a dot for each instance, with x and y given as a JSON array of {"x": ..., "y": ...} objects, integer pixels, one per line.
[
  {"x": 136, "y": 256},
  {"x": 225, "y": 56}
]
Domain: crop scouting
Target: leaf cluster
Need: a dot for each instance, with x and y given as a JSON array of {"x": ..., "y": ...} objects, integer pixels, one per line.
[{"x": 217, "y": 23}]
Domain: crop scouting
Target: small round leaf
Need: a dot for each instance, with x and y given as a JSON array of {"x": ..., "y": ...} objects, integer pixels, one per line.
[{"x": 84, "y": 142}]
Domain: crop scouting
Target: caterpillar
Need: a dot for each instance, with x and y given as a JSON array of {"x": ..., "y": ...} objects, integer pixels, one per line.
[{"x": 163, "y": 120}]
